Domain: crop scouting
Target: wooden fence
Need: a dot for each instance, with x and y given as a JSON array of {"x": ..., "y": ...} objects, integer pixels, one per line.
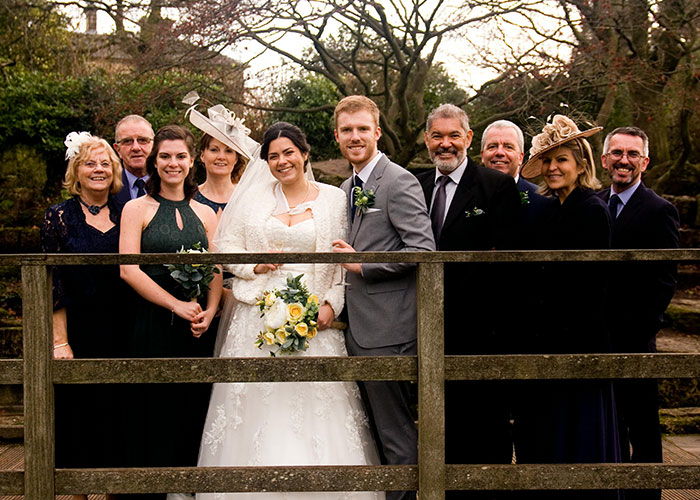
[{"x": 430, "y": 368}]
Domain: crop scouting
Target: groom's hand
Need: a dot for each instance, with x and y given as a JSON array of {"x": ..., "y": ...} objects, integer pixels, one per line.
[{"x": 341, "y": 246}]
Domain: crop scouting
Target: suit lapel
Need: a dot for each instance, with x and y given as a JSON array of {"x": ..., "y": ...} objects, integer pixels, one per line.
[
  {"x": 464, "y": 198},
  {"x": 372, "y": 183},
  {"x": 632, "y": 207}
]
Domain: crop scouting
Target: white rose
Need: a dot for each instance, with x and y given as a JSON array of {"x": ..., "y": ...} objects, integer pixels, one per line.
[{"x": 276, "y": 316}]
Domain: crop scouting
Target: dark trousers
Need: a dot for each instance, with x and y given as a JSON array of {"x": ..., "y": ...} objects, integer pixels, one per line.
[
  {"x": 389, "y": 409},
  {"x": 638, "y": 417}
]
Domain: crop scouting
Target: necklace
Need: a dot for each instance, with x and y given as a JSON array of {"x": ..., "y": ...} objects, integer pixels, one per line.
[
  {"x": 308, "y": 190},
  {"x": 93, "y": 209}
]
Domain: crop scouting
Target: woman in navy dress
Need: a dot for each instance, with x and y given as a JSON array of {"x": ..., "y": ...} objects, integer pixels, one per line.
[
  {"x": 569, "y": 421},
  {"x": 87, "y": 300}
]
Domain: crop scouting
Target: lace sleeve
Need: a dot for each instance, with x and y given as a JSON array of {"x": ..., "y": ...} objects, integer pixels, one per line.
[
  {"x": 338, "y": 229},
  {"x": 53, "y": 235}
]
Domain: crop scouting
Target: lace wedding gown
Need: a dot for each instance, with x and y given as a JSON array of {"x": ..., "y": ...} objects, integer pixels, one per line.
[{"x": 280, "y": 423}]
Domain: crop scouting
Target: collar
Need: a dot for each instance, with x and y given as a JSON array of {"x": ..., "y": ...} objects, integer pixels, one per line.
[
  {"x": 517, "y": 177},
  {"x": 131, "y": 178},
  {"x": 627, "y": 193},
  {"x": 456, "y": 174},
  {"x": 367, "y": 170}
]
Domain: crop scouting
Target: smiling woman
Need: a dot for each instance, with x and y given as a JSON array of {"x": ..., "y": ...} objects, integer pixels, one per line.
[
  {"x": 163, "y": 432},
  {"x": 86, "y": 223}
]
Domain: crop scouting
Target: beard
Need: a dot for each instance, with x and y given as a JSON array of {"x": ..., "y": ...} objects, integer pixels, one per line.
[{"x": 446, "y": 166}]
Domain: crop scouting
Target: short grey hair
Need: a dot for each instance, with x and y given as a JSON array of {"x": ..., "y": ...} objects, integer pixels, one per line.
[
  {"x": 634, "y": 131},
  {"x": 505, "y": 124},
  {"x": 131, "y": 118},
  {"x": 448, "y": 111}
]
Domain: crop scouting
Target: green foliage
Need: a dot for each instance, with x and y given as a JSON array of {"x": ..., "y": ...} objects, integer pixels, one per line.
[
  {"x": 194, "y": 279},
  {"x": 33, "y": 36},
  {"x": 310, "y": 91},
  {"x": 440, "y": 88},
  {"x": 22, "y": 179}
]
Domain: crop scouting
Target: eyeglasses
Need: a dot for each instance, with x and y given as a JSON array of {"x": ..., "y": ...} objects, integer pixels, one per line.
[
  {"x": 129, "y": 141},
  {"x": 617, "y": 154},
  {"x": 93, "y": 164}
]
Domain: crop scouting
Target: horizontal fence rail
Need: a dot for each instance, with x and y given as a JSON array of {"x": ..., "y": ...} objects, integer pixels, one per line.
[{"x": 39, "y": 372}]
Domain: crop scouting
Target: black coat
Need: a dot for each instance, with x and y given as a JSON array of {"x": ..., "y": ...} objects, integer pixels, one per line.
[
  {"x": 473, "y": 293},
  {"x": 647, "y": 221}
]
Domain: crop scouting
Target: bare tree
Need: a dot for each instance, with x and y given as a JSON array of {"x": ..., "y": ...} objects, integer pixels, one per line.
[{"x": 382, "y": 50}]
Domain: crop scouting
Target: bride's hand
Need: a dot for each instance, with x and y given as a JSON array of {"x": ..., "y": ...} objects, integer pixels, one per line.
[
  {"x": 325, "y": 316},
  {"x": 265, "y": 268}
]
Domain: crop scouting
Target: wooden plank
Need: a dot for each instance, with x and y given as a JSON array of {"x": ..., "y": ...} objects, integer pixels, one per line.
[
  {"x": 307, "y": 368},
  {"x": 38, "y": 391},
  {"x": 677, "y": 255},
  {"x": 236, "y": 479},
  {"x": 431, "y": 382},
  {"x": 572, "y": 477}
]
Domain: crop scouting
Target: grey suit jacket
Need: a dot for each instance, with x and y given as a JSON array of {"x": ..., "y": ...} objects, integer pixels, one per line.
[{"x": 381, "y": 302}]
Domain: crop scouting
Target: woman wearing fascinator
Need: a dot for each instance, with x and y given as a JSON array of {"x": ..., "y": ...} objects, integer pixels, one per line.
[
  {"x": 87, "y": 299},
  {"x": 278, "y": 207},
  {"x": 571, "y": 421},
  {"x": 166, "y": 422},
  {"x": 224, "y": 149}
]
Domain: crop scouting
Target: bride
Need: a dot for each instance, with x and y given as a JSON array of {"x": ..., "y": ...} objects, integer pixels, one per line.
[{"x": 277, "y": 423}]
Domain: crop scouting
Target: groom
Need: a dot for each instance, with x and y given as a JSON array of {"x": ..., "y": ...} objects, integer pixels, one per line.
[{"x": 389, "y": 215}]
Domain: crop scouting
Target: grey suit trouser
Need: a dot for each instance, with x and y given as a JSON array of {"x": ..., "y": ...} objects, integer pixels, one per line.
[{"x": 389, "y": 409}]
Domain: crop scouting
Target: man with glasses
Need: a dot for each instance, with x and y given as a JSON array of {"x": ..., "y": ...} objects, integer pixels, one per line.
[
  {"x": 133, "y": 143},
  {"x": 639, "y": 292}
]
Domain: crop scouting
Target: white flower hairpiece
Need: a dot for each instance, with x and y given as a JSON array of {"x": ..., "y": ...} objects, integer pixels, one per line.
[
  {"x": 73, "y": 142},
  {"x": 219, "y": 113}
]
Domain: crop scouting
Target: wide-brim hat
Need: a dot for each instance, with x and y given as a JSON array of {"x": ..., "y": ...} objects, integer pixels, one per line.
[
  {"x": 223, "y": 126},
  {"x": 561, "y": 130}
]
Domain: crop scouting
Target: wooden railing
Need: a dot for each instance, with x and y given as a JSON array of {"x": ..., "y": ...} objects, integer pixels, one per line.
[{"x": 430, "y": 368}]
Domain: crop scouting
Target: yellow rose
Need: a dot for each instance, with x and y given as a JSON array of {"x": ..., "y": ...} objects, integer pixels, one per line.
[
  {"x": 270, "y": 299},
  {"x": 302, "y": 329},
  {"x": 269, "y": 338},
  {"x": 295, "y": 311},
  {"x": 312, "y": 300},
  {"x": 281, "y": 335},
  {"x": 312, "y": 333}
]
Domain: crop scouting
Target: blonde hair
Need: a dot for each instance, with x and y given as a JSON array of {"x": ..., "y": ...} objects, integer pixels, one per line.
[
  {"x": 583, "y": 156},
  {"x": 70, "y": 181},
  {"x": 355, "y": 103}
]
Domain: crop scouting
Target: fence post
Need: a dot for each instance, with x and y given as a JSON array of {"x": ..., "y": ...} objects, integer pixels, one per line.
[
  {"x": 431, "y": 382},
  {"x": 38, "y": 383}
]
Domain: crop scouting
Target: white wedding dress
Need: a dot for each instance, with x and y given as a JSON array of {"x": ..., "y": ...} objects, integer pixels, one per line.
[{"x": 280, "y": 423}]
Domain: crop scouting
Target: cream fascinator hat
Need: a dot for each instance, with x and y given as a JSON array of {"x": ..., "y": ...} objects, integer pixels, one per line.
[
  {"x": 222, "y": 125},
  {"x": 560, "y": 131}
]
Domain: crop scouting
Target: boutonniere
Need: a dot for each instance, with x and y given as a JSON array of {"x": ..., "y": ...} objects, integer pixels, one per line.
[
  {"x": 364, "y": 199},
  {"x": 474, "y": 212},
  {"x": 525, "y": 198}
]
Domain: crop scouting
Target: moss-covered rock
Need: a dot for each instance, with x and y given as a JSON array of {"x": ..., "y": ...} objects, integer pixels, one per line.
[
  {"x": 679, "y": 393},
  {"x": 680, "y": 420},
  {"x": 685, "y": 315}
]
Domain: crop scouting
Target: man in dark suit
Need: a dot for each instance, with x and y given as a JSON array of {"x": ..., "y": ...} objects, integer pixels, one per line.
[
  {"x": 381, "y": 299},
  {"x": 471, "y": 208},
  {"x": 639, "y": 292},
  {"x": 133, "y": 141}
]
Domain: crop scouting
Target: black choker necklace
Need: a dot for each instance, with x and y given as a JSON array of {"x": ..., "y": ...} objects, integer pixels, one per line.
[{"x": 93, "y": 209}]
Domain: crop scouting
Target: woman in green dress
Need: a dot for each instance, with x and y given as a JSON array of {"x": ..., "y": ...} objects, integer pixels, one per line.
[{"x": 165, "y": 420}]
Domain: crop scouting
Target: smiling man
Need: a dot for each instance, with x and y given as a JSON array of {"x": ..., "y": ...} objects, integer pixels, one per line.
[
  {"x": 133, "y": 141},
  {"x": 640, "y": 291},
  {"x": 389, "y": 214},
  {"x": 471, "y": 208},
  {"x": 502, "y": 148}
]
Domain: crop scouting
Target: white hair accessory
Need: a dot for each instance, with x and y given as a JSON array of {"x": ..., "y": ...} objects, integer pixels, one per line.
[{"x": 73, "y": 142}]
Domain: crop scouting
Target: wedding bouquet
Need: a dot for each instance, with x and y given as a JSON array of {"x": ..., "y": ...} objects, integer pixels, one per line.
[
  {"x": 193, "y": 278},
  {"x": 290, "y": 317}
]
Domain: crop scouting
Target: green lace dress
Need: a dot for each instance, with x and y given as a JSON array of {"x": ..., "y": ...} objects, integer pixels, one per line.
[{"x": 166, "y": 420}]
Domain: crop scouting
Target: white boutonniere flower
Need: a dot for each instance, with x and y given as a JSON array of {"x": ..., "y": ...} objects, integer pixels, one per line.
[{"x": 474, "y": 212}]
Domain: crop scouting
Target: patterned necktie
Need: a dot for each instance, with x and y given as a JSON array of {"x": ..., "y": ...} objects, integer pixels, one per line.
[
  {"x": 357, "y": 183},
  {"x": 139, "y": 183},
  {"x": 613, "y": 204},
  {"x": 437, "y": 211}
]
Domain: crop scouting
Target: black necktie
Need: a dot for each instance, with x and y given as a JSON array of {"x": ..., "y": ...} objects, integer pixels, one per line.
[
  {"x": 139, "y": 183},
  {"x": 613, "y": 204},
  {"x": 437, "y": 211},
  {"x": 357, "y": 182}
]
